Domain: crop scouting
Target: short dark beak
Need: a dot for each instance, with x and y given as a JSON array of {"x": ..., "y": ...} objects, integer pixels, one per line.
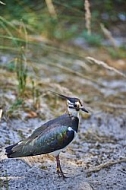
[{"x": 83, "y": 109}]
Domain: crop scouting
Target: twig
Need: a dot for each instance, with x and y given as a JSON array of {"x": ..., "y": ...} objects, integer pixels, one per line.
[
  {"x": 10, "y": 177},
  {"x": 87, "y": 16},
  {"x": 108, "y": 35},
  {"x": 1, "y": 111},
  {"x": 92, "y": 60},
  {"x": 2, "y": 3},
  {"x": 51, "y": 9},
  {"x": 105, "y": 165}
]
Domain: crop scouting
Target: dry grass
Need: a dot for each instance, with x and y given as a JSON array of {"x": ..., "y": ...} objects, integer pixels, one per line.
[
  {"x": 87, "y": 16},
  {"x": 105, "y": 165},
  {"x": 51, "y": 9},
  {"x": 108, "y": 35},
  {"x": 104, "y": 65},
  {"x": 2, "y": 3}
]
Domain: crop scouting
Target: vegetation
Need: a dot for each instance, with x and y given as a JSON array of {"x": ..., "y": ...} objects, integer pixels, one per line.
[
  {"x": 58, "y": 20},
  {"x": 36, "y": 32},
  {"x": 21, "y": 70}
]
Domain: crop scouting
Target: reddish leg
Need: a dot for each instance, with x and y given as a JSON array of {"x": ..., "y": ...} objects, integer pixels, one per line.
[{"x": 59, "y": 169}]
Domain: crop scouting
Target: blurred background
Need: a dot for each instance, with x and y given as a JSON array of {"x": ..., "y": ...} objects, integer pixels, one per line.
[
  {"x": 65, "y": 20},
  {"x": 55, "y": 44},
  {"x": 75, "y": 47}
]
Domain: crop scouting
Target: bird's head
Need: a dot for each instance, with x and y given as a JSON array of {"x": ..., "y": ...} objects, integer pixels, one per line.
[{"x": 74, "y": 105}]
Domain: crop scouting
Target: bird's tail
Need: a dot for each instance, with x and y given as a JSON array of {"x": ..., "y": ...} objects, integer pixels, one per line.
[
  {"x": 20, "y": 149},
  {"x": 17, "y": 150},
  {"x": 9, "y": 150}
]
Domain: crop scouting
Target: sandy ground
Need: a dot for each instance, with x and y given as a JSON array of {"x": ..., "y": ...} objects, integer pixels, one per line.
[{"x": 96, "y": 160}]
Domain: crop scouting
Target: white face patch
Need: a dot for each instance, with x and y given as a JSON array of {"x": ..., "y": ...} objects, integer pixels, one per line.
[
  {"x": 78, "y": 104},
  {"x": 74, "y": 107}
]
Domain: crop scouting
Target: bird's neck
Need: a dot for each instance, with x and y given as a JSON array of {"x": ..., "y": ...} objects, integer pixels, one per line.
[{"x": 73, "y": 112}]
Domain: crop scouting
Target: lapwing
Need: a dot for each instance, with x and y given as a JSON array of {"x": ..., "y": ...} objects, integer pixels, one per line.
[{"x": 53, "y": 136}]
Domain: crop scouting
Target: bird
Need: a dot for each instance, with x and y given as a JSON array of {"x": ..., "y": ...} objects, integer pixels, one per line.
[{"x": 51, "y": 137}]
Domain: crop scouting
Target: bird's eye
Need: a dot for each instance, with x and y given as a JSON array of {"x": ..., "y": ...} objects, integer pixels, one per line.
[{"x": 75, "y": 105}]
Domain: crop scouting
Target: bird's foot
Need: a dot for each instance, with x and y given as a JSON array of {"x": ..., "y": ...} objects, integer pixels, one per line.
[{"x": 61, "y": 173}]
